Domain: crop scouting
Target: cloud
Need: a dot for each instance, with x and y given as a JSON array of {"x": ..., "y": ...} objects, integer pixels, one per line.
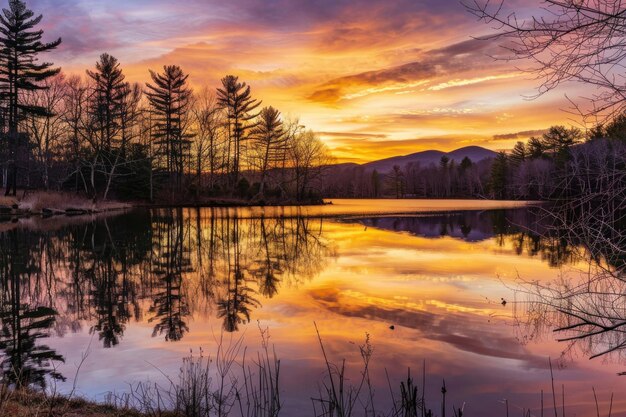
[
  {"x": 458, "y": 58},
  {"x": 352, "y": 135},
  {"x": 366, "y": 67},
  {"x": 520, "y": 135},
  {"x": 470, "y": 81}
]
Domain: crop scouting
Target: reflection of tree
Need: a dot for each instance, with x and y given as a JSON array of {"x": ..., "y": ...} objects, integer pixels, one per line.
[
  {"x": 171, "y": 261},
  {"x": 112, "y": 292},
  {"x": 587, "y": 308},
  {"x": 103, "y": 271},
  {"x": 553, "y": 250},
  {"x": 238, "y": 300},
  {"x": 26, "y": 362},
  {"x": 270, "y": 266}
]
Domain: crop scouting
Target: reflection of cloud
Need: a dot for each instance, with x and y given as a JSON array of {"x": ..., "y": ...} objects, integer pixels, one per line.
[{"x": 464, "y": 329}]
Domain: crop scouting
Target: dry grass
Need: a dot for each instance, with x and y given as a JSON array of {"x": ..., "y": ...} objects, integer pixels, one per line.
[
  {"x": 31, "y": 404},
  {"x": 36, "y": 201}
]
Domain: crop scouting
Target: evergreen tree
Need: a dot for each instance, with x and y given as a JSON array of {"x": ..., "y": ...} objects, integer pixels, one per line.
[
  {"x": 235, "y": 97},
  {"x": 270, "y": 141},
  {"x": 108, "y": 96},
  {"x": 519, "y": 153},
  {"x": 616, "y": 129},
  {"x": 466, "y": 164},
  {"x": 535, "y": 148},
  {"x": 499, "y": 175},
  {"x": 443, "y": 162},
  {"x": 169, "y": 96},
  {"x": 20, "y": 72},
  {"x": 376, "y": 183},
  {"x": 559, "y": 138}
]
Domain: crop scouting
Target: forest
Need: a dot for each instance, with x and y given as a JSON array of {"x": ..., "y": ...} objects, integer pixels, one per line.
[
  {"x": 101, "y": 136},
  {"x": 559, "y": 164}
]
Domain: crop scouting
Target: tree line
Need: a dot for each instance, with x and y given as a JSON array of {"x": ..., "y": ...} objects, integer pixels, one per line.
[
  {"x": 562, "y": 163},
  {"x": 102, "y": 136}
]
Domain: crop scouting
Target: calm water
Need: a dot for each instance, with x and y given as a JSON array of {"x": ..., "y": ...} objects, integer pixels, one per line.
[{"x": 140, "y": 290}]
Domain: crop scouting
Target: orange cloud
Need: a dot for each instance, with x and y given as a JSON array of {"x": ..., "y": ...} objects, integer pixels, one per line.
[{"x": 392, "y": 77}]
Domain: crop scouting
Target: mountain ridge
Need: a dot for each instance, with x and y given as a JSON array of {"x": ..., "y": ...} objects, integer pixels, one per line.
[{"x": 425, "y": 158}]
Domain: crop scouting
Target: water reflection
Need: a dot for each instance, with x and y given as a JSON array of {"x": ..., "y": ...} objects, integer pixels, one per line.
[
  {"x": 526, "y": 230},
  {"x": 26, "y": 360},
  {"x": 584, "y": 307},
  {"x": 165, "y": 267}
]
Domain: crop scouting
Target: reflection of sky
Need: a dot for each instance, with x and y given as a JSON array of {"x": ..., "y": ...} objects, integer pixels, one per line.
[
  {"x": 443, "y": 297},
  {"x": 378, "y": 78}
]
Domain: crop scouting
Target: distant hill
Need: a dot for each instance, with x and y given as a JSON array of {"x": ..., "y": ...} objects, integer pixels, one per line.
[{"x": 425, "y": 158}]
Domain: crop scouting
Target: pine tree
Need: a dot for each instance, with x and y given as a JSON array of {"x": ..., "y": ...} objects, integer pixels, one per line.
[
  {"x": 20, "y": 72},
  {"x": 270, "y": 141},
  {"x": 499, "y": 173},
  {"x": 169, "y": 97},
  {"x": 443, "y": 162},
  {"x": 376, "y": 183},
  {"x": 559, "y": 138},
  {"x": 535, "y": 148},
  {"x": 236, "y": 99},
  {"x": 466, "y": 164},
  {"x": 519, "y": 153},
  {"x": 109, "y": 93}
]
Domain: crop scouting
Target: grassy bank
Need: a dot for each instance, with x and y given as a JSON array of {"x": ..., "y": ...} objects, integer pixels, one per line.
[
  {"x": 26, "y": 403},
  {"x": 50, "y": 203}
]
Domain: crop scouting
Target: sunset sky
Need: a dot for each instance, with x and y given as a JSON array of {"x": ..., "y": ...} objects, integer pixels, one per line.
[{"x": 375, "y": 78}]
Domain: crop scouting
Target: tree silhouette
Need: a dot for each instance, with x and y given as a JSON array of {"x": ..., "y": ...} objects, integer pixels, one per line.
[
  {"x": 565, "y": 41},
  {"x": 498, "y": 181},
  {"x": 237, "y": 303},
  {"x": 235, "y": 97},
  {"x": 25, "y": 362},
  {"x": 169, "y": 304},
  {"x": 269, "y": 141},
  {"x": 169, "y": 97},
  {"x": 208, "y": 139},
  {"x": 20, "y": 72},
  {"x": 519, "y": 153},
  {"x": 109, "y": 93}
]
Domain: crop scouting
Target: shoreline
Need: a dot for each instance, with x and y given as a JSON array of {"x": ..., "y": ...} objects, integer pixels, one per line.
[{"x": 46, "y": 205}]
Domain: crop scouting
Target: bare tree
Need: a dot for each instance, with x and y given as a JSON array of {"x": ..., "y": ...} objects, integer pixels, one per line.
[
  {"x": 46, "y": 132},
  {"x": 129, "y": 112},
  {"x": 74, "y": 112},
  {"x": 566, "y": 40},
  {"x": 208, "y": 141},
  {"x": 308, "y": 157}
]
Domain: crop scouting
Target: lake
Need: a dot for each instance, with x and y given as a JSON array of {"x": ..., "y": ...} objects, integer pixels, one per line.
[{"x": 449, "y": 285}]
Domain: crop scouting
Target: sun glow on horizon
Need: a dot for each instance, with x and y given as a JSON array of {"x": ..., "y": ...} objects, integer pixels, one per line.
[{"x": 377, "y": 81}]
